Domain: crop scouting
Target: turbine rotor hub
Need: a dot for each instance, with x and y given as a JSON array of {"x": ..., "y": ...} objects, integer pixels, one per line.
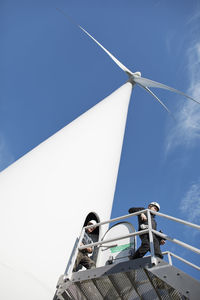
[
  {"x": 133, "y": 76},
  {"x": 137, "y": 74}
]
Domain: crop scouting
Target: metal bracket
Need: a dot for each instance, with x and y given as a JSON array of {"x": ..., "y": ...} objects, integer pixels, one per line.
[{"x": 110, "y": 260}]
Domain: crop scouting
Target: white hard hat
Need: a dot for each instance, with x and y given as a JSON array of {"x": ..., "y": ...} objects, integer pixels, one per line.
[
  {"x": 92, "y": 222},
  {"x": 155, "y": 204}
]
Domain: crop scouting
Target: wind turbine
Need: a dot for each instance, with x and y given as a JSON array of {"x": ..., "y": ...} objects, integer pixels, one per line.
[
  {"x": 58, "y": 185},
  {"x": 135, "y": 77}
]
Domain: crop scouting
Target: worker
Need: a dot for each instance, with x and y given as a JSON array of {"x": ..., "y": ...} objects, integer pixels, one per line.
[
  {"x": 82, "y": 257},
  {"x": 143, "y": 224}
]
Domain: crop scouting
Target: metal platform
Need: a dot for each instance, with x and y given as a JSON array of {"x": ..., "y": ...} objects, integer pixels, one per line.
[
  {"x": 147, "y": 278},
  {"x": 131, "y": 280}
]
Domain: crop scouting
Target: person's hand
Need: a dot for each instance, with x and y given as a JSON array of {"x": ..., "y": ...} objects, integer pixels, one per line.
[
  {"x": 162, "y": 242},
  {"x": 89, "y": 250},
  {"x": 143, "y": 217}
]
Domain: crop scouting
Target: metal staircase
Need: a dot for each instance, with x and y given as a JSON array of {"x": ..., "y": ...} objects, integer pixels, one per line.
[{"x": 146, "y": 278}]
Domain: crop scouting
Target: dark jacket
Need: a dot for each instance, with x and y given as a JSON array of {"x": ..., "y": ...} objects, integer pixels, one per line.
[{"x": 140, "y": 221}]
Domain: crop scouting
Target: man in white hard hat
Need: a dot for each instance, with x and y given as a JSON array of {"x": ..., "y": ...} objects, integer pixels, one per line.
[
  {"x": 143, "y": 224},
  {"x": 82, "y": 257}
]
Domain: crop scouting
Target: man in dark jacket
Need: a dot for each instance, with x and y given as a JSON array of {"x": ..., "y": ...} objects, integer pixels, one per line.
[{"x": 143, "y": 224}]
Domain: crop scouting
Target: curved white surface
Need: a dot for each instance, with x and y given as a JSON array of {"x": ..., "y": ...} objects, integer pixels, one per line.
[
  {"x": 120, "y": 251},
  {"x": 46, "y": 195}
]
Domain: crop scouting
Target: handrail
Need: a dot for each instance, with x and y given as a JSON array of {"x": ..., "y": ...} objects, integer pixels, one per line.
[
  {"x": 142, "y": 211},
  {"x": 116, "y": 219},
  {"x": 187, "y": 246},
  {"x": 176, "y": 219},
  {"x": 114, "y": 239},
  {"x": 150, "y": 231},
  {"x": 181, "y": 259}
]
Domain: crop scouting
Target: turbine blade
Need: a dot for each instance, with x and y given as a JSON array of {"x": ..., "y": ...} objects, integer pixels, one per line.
[
  {"x": 125, "y": 69},
  {"x": 149, "y": 91},
  {"x": 150, "y": 83}
]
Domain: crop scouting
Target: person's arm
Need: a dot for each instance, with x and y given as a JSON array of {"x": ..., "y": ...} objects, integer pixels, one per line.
[
  {"x": 89, "y": 250},
  {"x": 161, "y": 240},
  {"x": 136, "y": 209},
  {"x": 87, "y": 240}
]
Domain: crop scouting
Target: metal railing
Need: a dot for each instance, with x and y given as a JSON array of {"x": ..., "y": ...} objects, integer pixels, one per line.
[
  {"x": 149, "y": 230},
  {"x": 170, "y": 255}
]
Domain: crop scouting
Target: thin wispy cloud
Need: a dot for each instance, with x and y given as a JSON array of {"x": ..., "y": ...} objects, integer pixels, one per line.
[
  {"x": 190, "y": 204},
  {"x": 196, "y": 16},
  {"x": 186, "y": 131},
  {"x": 6, "y": 157}
]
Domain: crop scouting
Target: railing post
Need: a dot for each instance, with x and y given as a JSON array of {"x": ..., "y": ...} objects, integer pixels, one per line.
[
  {"x": 169, "y": 258},
  {"x": 70, "y": 270},
  {"x": 153, "y": 258}
]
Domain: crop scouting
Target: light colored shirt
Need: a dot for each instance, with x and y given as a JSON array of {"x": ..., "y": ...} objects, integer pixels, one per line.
[{"x": 86, "y": 239}]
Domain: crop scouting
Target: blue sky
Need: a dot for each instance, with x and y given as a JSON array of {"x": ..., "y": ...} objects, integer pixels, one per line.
[{"x": 51, "y": 72}]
